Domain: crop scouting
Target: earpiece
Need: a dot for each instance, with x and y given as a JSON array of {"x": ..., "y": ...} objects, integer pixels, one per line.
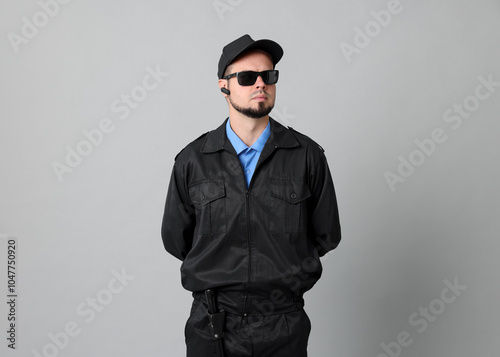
[{"x": 225, "y": 90}]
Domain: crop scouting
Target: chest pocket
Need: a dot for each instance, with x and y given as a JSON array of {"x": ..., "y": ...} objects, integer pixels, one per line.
[
  {"x": 288, "y": 211},
  {"x": 208, "y": 197}
]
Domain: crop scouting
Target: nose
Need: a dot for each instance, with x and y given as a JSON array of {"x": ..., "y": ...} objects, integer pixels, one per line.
[{"x": 259, "y": 83}]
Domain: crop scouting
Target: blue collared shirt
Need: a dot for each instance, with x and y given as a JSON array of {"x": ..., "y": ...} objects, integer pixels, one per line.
[{"x": 248, "y": 156}]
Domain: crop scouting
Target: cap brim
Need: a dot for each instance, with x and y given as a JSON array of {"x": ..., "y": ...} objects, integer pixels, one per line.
[{"x": 268, "y": 46}]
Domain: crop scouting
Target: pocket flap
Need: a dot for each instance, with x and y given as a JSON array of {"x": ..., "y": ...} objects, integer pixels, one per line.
[
  {"x": 208, "y": 191},
  {"x": 292, "y": 190}
]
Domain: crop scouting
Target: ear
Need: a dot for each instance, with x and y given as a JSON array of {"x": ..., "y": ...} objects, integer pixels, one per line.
[{"x": 223, "y": 84}]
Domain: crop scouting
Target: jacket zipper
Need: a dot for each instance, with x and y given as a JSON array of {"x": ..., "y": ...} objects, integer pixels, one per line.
[{"x": 247, "y": 209}]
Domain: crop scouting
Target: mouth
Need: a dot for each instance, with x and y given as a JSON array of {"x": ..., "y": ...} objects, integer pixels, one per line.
[{"x": 260, "y": 97}]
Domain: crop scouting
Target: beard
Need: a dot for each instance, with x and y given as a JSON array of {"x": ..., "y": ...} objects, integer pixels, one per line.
[{"x": 261, "y": 111}]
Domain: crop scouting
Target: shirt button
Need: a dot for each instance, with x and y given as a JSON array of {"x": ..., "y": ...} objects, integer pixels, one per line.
[{"x": 293, "y": 195}]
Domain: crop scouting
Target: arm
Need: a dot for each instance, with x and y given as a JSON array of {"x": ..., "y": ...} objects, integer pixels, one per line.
[
  {"x": 178, "y": 219},
  {"x": 324, "y": 222}
]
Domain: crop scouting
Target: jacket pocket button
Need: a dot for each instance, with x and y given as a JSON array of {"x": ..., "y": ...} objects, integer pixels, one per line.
[{"x": 293, "y": 195}]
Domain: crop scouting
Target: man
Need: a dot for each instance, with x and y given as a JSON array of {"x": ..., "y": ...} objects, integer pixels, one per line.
[{"x": 250, "y": 209}]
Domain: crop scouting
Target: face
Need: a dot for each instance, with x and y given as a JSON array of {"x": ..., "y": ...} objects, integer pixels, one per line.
[{"x": 255, "y": 101}]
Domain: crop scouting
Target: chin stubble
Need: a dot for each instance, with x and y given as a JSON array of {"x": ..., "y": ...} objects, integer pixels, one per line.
[{"x": 261, "y": 111}]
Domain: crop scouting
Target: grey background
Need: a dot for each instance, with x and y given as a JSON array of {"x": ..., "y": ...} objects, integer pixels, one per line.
[{"x": 398, "y": 248}]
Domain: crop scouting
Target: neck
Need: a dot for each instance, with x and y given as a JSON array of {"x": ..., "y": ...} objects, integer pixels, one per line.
[{"x": 247, "y": 129}]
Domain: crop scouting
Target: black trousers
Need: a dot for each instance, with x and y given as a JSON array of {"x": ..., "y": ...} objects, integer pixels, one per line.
[{"x": 254, "y": 335}]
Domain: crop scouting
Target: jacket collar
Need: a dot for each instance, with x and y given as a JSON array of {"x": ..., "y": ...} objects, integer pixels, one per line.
[{"x": 280, "y": 137}]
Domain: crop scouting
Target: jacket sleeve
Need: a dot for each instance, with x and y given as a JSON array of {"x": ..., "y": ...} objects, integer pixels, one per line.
[
  {"x": 324, "y": 222},
  {"x": 178, "y": 218}
]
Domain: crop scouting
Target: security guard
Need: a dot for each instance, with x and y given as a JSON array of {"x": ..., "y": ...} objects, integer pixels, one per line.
[{"x": 250, "y": 210}]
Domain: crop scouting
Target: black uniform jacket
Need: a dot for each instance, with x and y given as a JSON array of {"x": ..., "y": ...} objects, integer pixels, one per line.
[{"x": 266, "y": 239}]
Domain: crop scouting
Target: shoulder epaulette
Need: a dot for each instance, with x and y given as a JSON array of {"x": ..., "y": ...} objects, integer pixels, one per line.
[
  {"x": 198, "y": 138},
  {"x": 298, "y": 132}
]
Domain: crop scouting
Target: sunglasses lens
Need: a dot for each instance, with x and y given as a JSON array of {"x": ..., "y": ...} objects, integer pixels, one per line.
[
  {"x": 272, "y": 77},
  {"x": 248, "y": 78}
]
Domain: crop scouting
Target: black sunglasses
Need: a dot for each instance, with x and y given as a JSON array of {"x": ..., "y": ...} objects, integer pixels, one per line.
[{"x": 248, "y": 78}]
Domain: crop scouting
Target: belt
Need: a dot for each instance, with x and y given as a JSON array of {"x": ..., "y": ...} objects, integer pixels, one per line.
[{"x": 245, "y": 303}]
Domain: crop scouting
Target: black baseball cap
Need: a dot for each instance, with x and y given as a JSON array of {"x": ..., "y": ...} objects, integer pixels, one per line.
[{"x": 246, "y": 43}]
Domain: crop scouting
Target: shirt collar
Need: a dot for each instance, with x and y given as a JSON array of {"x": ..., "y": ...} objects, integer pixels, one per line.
[
  {"x": 217, "y": 139},
  {"x": 239, "y": 145}
]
